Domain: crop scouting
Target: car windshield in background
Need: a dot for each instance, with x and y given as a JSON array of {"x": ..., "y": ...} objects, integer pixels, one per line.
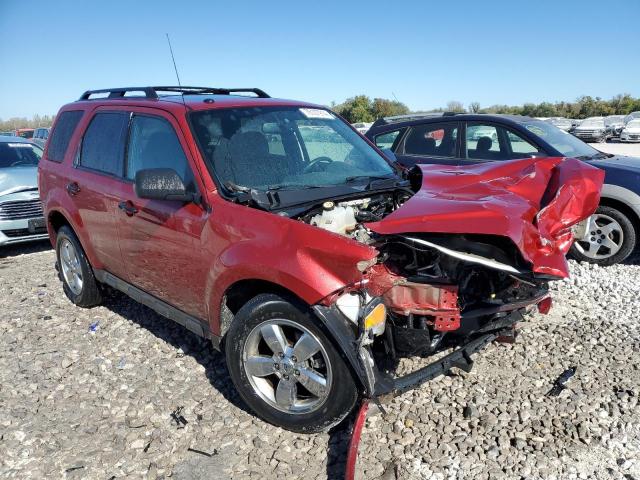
[
  {"x": 614, "y": 120},
  {"x": 564, "y": 142},
  {"x": 267, "y": 148},
  {"x": 19, "y": 155},
  {"x": 593, "y": 122}
]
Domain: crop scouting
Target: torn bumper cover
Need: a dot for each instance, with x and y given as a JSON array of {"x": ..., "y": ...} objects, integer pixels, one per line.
[
  {"x": 378, "y": 383},
  {"x": 533, "y": 202}
]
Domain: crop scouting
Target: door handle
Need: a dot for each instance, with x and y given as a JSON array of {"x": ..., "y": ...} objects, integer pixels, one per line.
[
  {"x": 128, "y": 208},
  {"x": 73, "y": 188}
]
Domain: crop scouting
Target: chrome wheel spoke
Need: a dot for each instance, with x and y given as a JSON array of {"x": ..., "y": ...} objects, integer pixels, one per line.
[
  {"x": 611, "y": 245},
  {"x": 612, "y": 227},
  {"x": 593, "y": 249},
  {"x": 286, "y": 393},
  {"x": 274, "y": 336},
  {"x": 313, "y": 381},
  {"x": 260, "y": 366},
  {"x": 305, "y": 347}
]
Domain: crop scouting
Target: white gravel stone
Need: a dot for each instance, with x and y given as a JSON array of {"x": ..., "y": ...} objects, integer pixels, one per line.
[{"x": 97, "y": 405}]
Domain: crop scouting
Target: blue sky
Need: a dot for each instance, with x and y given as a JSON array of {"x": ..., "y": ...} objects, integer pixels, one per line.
[{"x": 424, "y": 53}]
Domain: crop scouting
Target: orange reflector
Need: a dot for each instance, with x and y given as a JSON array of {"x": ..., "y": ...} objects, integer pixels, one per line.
[{"x": 377, "y": 317}]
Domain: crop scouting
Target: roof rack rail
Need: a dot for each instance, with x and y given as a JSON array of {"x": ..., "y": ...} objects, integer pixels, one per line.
[
  {"x": 212, "y": 90},
  {"x": 152, "y": 92},
  {"x": 149, "y": 92}
]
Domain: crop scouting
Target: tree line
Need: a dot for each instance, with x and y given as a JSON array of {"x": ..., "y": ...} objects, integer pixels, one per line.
[
  {"x": 362, "y": 109},
  {"x": 23, "y": 122}
]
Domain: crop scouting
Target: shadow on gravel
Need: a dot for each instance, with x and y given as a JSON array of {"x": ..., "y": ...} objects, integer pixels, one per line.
[
  {"x": 180, "y": 338},
  {"x": 216, "y": 370},
  {"x": 24, "y": 248}
]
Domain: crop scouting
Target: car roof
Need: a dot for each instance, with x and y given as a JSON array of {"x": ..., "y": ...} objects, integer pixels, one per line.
[
  {"x": 13, "y": 139},
  {"x": 392, "y": 123}
]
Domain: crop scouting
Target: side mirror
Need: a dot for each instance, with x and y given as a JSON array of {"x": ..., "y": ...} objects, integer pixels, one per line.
[
  {"x": 390, "y": 155},
  {"x": 161, "y": 184}
]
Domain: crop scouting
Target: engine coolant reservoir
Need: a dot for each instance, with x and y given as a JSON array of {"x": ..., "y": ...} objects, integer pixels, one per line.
[{"x": 336, "y": 219}]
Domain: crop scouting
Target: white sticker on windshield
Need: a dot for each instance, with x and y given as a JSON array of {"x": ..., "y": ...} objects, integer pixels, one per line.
[
  {"x": 316, "y": 113},
  {"x": 19, "y": 145}
]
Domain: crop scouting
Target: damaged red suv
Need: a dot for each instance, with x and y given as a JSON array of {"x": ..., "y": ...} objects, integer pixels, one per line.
[{"x": 274, "y": 229}]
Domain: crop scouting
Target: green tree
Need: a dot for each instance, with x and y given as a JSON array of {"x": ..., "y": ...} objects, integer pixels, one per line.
[
  {"x": 356, "y": 109},
  {"x": 382, "y": 107}
]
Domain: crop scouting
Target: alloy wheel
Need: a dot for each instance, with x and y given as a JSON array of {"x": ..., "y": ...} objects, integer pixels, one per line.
[
  {"x": 601, "y": 237},
  {"x": 71, "y": 268},
  {"x": 287, "y": 366}
]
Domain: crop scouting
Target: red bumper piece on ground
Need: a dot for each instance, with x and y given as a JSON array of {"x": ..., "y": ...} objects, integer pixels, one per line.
[{"x": 352, "y": 455}]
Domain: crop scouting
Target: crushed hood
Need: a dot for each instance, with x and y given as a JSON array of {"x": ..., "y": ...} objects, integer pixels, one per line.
[{"x": 534, "y": 202}]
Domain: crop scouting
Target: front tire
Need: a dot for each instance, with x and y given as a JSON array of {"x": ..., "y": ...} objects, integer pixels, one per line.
[
  {"x": 78, "y": 281},
  {"x": 609, "y": 238},
  {"x": 286, "y": 368}
]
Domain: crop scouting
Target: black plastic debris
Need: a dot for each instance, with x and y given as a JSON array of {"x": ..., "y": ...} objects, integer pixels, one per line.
[
  {"x": 71, "y": 469},
  {"x": 558, "y": 385},
  {"x": 177, "y": 417},
  {"x": 200, "y": 452}
]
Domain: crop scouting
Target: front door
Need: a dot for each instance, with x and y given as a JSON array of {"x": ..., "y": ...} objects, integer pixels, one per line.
[{"x": 160, "y": 239}]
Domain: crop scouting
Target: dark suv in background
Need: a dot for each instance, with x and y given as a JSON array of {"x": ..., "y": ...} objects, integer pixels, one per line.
[{"x": 607, "y": 237}]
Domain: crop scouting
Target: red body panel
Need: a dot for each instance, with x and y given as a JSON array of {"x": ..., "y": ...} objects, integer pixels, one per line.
[{"x": 534, "y": 202}]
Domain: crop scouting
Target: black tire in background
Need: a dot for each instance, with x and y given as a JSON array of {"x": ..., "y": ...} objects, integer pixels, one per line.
[
  {"x": 629, "y": 238},
  {"x": 343, "y": 392},
  {"x": 89, "y": 295}
]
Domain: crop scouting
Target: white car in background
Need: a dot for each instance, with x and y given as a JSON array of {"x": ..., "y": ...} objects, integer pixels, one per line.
[
  {"x": 362, "y": 127},
  {"x": 631, "y": 131}
]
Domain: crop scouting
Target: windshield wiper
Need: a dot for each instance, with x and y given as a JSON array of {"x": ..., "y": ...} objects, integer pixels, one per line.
[{"x": 369, "y": 178}]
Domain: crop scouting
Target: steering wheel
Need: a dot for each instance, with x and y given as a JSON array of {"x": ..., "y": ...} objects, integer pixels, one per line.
[{"x": 312, "y": 167}]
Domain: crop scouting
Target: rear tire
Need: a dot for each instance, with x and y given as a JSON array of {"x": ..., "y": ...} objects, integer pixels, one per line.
[
  {"x": 622, "y": 233},
  {"x": 75, "y": 272},
  {"x": 274, "y": 393}
]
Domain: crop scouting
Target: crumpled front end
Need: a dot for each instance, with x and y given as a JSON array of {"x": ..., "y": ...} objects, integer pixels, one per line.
[
  {"x": 463, "y": 260},
  {"x": 532, "y": 202}
]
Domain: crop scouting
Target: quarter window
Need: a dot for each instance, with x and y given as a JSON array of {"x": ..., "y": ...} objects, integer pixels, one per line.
[
  {"x": 438, "y": 140},
  {"x": 153, "y": 143},
  {"x": 62, "y": 133},
  {"x": 103, "y": 143}
]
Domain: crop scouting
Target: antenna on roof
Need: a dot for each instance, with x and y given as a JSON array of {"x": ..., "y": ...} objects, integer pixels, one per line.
[{"x": 173, "y": 58}]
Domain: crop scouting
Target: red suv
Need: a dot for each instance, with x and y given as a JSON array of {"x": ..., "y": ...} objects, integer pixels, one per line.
[{"x": 274, "y": 229}]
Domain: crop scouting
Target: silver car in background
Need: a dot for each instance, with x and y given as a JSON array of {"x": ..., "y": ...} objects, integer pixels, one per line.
[
  {"x": 40, "y": 136},
  {"x": 21, "y": 216},
  {"x": 592, "y": 129},
  {"x": 615, "y": 124},
  {"x": 561, "y": 122},
  {"x": 631, "y": 131}
]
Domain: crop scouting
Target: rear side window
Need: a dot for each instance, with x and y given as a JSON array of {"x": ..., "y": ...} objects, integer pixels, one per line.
[
  {"x": 103, "y": 143},
  {"x": 62, "y": 133}
]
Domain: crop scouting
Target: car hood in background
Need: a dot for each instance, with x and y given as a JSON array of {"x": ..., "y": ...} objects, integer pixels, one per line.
[
  {"x": 618, "y": 161},
  {"x": 17, "y": 179},
  {"x": 534, "y": 202},
  {"x": 634, "y": 130}
]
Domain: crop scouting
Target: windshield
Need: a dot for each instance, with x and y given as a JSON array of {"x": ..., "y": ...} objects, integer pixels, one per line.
[
  {"x": 266, "y": 148},
  {"x": 593, "y": 122},
  {"x": 564, "y": 142},
  {"x": 612, "y": 120},
  {"x": 19, "y": 155}
]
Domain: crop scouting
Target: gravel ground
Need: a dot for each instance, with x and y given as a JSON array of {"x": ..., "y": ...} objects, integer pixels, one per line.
[{"x": 89, "y": 394}]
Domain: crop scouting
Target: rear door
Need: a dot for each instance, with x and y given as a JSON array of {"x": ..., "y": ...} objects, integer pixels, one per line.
[
  {"x": 430, "y": 143},
  {"x": 97, "y": 182},
  {"x": 160, "y": 239}
]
